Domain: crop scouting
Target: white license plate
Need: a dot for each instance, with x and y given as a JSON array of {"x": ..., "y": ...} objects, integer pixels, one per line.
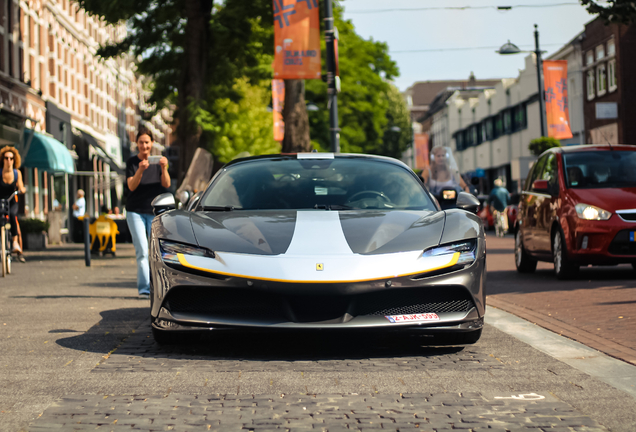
[{"x": 425, "y": 317}]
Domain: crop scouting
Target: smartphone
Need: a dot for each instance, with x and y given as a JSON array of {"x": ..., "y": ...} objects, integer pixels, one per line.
[{"x": 153, "y": 160}]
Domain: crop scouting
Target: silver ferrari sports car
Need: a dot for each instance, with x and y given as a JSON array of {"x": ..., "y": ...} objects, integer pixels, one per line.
[{"x": 317, "y": 241}]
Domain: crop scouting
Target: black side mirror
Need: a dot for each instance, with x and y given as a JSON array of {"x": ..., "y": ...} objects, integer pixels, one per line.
[
  {"x": 162, "y": 203},
  {"x": 467, "y": 202}
]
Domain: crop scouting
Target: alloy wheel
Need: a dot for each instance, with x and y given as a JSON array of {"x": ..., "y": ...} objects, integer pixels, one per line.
[
  {"x": 518, "y": 250},
  {"x": 558, "y": 253}
]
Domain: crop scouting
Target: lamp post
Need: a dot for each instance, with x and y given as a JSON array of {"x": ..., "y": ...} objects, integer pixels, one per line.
[
  {"x": 510, "y": 48},
  {"x": 330, "y": 41}
]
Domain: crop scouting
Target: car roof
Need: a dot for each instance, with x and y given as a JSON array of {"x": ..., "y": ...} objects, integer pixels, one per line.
[
  {"x": 320, "y": 155},
  {"x": 592, "y": 147}
]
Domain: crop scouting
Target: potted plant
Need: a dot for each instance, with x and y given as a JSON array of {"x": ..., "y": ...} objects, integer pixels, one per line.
[{"x": 34, "y": 233}]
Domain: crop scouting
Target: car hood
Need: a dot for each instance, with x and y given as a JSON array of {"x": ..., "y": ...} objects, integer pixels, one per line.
[
  {"x": 610, "y": 199},
  {"x": 318, "y": 232}
]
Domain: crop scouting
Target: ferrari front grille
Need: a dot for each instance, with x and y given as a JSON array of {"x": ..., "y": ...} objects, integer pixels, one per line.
[
  {"x": 255, "y": 305},
  {"x": 415, "y": 300}
]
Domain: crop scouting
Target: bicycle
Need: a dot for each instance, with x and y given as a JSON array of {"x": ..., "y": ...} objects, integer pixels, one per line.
[{"x": 5, "y": 240}]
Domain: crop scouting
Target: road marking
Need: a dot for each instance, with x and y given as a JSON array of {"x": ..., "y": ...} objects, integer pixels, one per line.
[{"x": 526, "y": 396}]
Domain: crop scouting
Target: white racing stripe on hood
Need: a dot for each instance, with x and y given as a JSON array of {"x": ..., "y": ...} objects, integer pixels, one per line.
[
  {"x": 318, "y": 233},
  {"x": 319, "y": 253}
]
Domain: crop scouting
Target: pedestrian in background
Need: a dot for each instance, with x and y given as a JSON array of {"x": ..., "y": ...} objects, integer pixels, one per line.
[
  {"x": 79, "y": 211},
  {"x": 145, "y": 180},
  {"x": 79, "y": 207},
  {"x": 498, "y": 200},
  {"x": 12, "y": 181}
]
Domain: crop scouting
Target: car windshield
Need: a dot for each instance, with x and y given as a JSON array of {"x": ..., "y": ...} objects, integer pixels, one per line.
[
  {"x": 330, "y": 184},
  {"x": 600, "y": 169}
]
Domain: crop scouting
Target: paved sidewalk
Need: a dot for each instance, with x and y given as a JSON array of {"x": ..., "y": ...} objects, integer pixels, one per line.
[{"x": 597, "y": 309}]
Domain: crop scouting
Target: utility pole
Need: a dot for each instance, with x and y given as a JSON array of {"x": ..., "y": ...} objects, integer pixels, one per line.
[
  {"x": 330, "y": 40},
  {"x": 537, "y": 52}
]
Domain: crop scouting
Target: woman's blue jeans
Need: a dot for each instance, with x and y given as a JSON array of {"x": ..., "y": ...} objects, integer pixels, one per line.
[{"x": 139, "y": 226}]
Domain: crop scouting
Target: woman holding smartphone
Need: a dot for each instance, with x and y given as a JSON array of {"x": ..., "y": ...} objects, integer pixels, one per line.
[{"x": 146, "y": 177}]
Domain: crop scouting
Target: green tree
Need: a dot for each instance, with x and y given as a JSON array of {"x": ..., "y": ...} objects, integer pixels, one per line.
[
  {"x": 193, "y": 54},
  {"x": 612, "y": 11},
  {"x": 238, "y": 126},
  {"x": 539, "y": 145},
  {"x": 398, "y": 133},
  {"x": 365, "y": 71}
]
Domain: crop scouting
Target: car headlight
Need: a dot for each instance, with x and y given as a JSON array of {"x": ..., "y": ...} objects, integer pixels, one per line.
[
  {"x": 466, "y": 248},
  {"x": 589, "y": 212},
  {"x": 169, "y": 251}
]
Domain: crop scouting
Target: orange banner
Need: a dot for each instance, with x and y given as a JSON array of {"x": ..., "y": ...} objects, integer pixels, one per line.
[
  {"x": 278, "y": 102},
  {"x": 296, "y": 39},
  {"x": 555, "y": 78},
  {"x": 421, "y": 150}
]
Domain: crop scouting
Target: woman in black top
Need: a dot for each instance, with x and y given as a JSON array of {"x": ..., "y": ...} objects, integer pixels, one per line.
[
  {"x": 146, "y": 178},
  {"x": 10, "y": 182}
]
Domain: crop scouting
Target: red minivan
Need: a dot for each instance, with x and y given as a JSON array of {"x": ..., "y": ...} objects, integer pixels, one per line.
[{"x": 578, "y": 207}]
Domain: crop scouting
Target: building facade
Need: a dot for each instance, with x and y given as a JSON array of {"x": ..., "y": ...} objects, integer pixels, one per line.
[
  {"x": 609, "y": 66},
  {"x": 52, "y": 83}
]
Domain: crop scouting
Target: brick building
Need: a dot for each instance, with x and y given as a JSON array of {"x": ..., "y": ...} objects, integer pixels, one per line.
[
  {"x": 609, "y": 66},
  {"x": 53, "y": 85}
]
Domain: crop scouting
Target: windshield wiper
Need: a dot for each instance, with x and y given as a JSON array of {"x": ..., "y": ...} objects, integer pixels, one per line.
[
  {"x": 332, "y": 207},
  {"x": 220, "y": 208}
]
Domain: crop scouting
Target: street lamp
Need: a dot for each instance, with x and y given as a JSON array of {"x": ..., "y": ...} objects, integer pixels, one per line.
[
  {"x": 510, "y": 48},
  {"x": 332, "y": 79}
]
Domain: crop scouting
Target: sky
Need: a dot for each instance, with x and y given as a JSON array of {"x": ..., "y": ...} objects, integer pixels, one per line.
[{"x": 449, "y": 31}]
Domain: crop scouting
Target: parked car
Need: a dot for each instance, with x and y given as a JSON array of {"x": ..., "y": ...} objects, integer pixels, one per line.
[
  {"x": 317, "y": 241},
  {"x": 578, "y": 207}
]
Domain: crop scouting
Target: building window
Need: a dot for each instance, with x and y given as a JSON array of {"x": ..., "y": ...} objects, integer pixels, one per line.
[
  {"x": 611, "y": 75},
  {"x": 590, "y": 58},
  {"x": 489, "y": 131},
  {"x": 519, "y": 120},
  {"x": 498, "y": 126},
  {"x": 459, "y": 141},
  {"x": 611, "y": 48},
  {"x": 601, "y": 80},
  {"x": 590, "y": 84},
  {"x": 507, "y": 121},
  {"x": 600, "y": 52}
]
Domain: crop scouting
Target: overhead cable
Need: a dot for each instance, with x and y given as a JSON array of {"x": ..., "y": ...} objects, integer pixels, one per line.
[{"x": 432, "y": 8}]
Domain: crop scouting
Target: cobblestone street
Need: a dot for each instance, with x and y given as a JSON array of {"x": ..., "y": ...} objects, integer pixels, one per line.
[{"x": 78, "y": 355}]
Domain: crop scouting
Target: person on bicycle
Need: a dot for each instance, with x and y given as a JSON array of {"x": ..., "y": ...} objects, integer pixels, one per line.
[
  {"x": 443, "y": 172},
  {"x": 498, "y": 200},
  {"x": 12, "y": 181}
]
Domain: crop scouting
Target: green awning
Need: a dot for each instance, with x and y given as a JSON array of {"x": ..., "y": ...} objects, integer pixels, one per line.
[{"x": 47, "y": 154}]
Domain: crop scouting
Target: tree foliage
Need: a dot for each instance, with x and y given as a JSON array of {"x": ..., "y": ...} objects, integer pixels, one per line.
[
  {"x": 226, "y": 114},
  {"x": 398, "y": 133},
  {"x": 365, "y": 69},
  {"x": 539, "y": 145},
  {"x": 612, "y": 11},
  {"x": 241, "y": 124}
]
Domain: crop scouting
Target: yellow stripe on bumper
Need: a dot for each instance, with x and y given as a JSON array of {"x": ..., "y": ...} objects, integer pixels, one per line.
[{"x": 183, "y": 261}]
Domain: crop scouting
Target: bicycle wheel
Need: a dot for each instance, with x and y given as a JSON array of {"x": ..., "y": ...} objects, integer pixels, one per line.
[{"x": 4, "y": 252}]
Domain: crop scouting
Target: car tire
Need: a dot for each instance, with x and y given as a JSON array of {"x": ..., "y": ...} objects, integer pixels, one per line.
[
  {"x": 563, "y": 267},
  {"x": 524, "y": 262}
]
